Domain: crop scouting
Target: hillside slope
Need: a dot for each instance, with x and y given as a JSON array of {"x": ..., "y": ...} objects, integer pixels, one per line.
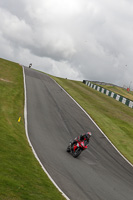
[{"x": 21, "y": 176}]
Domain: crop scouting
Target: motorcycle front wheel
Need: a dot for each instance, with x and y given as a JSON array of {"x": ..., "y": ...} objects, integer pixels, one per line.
[{"x": 76, "y": 153}]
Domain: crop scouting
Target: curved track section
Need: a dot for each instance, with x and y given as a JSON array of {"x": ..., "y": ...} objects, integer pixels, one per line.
[{"x": 100, "y": 173}]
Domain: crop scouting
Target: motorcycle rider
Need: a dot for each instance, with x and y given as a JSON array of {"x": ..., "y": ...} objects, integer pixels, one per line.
[{"x": 83, "y": 137}]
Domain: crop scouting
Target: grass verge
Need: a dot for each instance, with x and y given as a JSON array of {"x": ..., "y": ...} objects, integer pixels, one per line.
[
  {"x": 113, "y": 117},
  {"x": 21, "y": 176}
]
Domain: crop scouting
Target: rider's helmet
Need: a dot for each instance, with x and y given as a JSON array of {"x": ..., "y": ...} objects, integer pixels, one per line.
[{"x": 88, "y": 135}]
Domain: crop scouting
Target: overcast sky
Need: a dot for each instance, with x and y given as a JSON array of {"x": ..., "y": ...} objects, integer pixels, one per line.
[{"x": 77, "y": 39}]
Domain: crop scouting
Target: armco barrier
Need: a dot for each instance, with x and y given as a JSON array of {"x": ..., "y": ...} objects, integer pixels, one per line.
[{"x": 118, "y": 97}]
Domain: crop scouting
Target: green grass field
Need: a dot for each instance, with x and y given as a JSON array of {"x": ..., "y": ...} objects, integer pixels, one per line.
[{"x": 21, "y": 176}]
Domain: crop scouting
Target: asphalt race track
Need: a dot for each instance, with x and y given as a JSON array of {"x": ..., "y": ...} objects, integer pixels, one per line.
[{"x": 99, "y": 173}]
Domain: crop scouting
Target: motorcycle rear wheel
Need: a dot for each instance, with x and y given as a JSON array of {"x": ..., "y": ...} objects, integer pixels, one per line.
[{"x": 68, "y": 149}]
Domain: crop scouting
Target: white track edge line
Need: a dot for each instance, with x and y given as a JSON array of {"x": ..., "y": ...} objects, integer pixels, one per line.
[
  {"x": 94, "y": 123},
  {"x": 26, "y": 130}
]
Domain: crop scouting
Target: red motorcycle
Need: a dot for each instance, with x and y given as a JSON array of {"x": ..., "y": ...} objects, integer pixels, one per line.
[{"x": 77, "y": 148}]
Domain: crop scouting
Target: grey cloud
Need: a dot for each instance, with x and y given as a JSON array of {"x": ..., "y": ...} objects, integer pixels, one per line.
[{"x": 84, "y": 39}]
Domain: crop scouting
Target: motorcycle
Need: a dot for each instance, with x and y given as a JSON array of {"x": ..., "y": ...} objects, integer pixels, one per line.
[{"x": 76, "y": 148}]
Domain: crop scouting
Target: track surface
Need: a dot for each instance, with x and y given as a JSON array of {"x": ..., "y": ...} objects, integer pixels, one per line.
[{"x": 99, "y": 173}]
